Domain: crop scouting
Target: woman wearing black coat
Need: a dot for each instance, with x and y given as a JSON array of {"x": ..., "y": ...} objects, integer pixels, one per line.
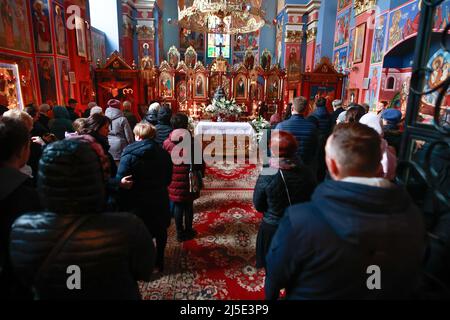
[
  {"x": 150, "y": 167},
  {"x": 286, "y": 182},
  {"x": 112, "y": 251}
]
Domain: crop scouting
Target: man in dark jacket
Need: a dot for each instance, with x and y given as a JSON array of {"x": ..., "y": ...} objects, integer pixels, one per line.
[
  {"x": 356, "y": 226},
  {"x": 163, "y": 128},
  {"x": 72, "y": 108},
  {"x": 303, "y": 130},
  {"x": 17, "y": 194},
  {"x": 151, "y": 169},
  {"x": 337, "y": 110},
  {"x": 323, "y": 120},
  {"x": 111, "y": 250}
]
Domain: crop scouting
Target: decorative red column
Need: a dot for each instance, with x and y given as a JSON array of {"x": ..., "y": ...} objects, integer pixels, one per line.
[{"x": 311, "y": 35}]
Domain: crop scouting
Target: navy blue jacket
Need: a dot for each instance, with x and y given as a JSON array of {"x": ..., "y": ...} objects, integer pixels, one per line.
[
  {"x": 151, "y": 168},
  {"x": 323, "y": 119},
  {"x": 306, "y": 134},
  {"x": 322, "y": 248}
]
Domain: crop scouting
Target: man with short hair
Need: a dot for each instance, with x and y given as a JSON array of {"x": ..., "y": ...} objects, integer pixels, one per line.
[
  {"x": 338, "y": 109},
  {"x": 72, "y": 107},
  {"x": 303, "y": 130},
  {"x": 17, "y": 194},
  {"x": 355, "y": 223},
  {"x": 87, "y": 112}
]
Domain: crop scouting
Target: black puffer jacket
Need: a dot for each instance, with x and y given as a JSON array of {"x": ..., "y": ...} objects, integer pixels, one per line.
[
  {"x": 270, "y": 196},
  {"x": 113, "y": 250}
]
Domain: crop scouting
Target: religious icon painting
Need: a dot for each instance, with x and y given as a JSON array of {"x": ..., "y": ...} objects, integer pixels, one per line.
[
  {"x": 10, "y": 90},
  {"x": 14, "y": 25},
  {"x": 342, "y": 4},
  {"x": 439, "y": 66},
  {"x": 266, "y": 60},
  {"x": 85, "y": 92},
  {"x": 340, "y": 59},
  {"x": 273, "y": 88},
  {"x": 181, "y": 92},
  {"x": 200, "y": 86},
  {"x": 165, "y": 85},
  {"x": 41, "y": 26},
  {"x": 360, "y": 34},
  {"x": 190, "y": 57},
  {"x": 374, "y": 87},
  {"x": 379, "y": 37},
  {"x": 173, "y": 57},
  {"x": 404, "y": 23},
  {"x": 81, "y": 37},
  {"x": 60, "y": 30},
  {"x": 64, "y": 81},
  {"x": 47, "y": 81},
  {"x": 240, "y": 87},
  {"x": 342, "y": 29}
]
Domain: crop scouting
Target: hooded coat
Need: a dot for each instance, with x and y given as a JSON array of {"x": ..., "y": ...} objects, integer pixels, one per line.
[
  {"x": 163, "y": 128},
  {"x": 120, "y": 133},
  {"x": 323, "y": 249},
  {"x": 61, "y": 123}
]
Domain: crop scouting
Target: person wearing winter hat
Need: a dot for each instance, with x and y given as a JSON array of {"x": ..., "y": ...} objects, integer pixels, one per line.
[
  {"x": 120, "y": 133},
  {"x": 392, "y": 133},
  {"x": 113, "y": 250},
  {"x": 95, "y": 110},
  {"x": 87, "y": 112},
  {"x": 389, "y": 159},
  {"x": 286, "y": 182},
  {"x": 152, "y": 114},
  {"x": 163, "y": 128}
]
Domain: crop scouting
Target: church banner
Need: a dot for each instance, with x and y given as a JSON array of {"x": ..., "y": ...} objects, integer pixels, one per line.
[{"x": 41, "y": 26}]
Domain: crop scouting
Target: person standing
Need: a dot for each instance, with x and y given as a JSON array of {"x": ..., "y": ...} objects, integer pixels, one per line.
[
  {"x": 304, "y": 131},
  {"x": 16, "y": 197},
  {"x": 324, "y": 248},
  {"x": 132, "y": 120},
  {"x": 179, "y": 189},
  {"x": 285, "y": 183},
  {"x": 72, "y": 108},
  {"x": 120, "y": 133},
  {"x": 163, "y": 128},
  {"x": 112, "y": 250},
  {"x": 150, "y": 167}
]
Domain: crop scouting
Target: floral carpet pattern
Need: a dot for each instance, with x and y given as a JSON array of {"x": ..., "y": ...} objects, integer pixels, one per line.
[{"x": 219, "y": 263}]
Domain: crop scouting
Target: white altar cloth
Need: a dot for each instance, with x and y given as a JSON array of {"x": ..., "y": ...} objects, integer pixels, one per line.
[{"x": 225, "y": 128}]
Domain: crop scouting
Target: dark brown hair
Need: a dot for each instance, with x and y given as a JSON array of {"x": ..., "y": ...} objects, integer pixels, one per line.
[{"x": 357, "y": 148}]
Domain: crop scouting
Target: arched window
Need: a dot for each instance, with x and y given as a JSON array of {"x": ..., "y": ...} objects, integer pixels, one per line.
[{"x": 390, "y": 83}]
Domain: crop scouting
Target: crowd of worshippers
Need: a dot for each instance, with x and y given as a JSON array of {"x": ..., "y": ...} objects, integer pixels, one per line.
[{"x": 99, "y": 192}]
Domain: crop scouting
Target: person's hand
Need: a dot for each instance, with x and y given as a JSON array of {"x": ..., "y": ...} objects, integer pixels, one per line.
[
  {"x": 38, "y": 140},
  {"x": 127, "y": 182}
]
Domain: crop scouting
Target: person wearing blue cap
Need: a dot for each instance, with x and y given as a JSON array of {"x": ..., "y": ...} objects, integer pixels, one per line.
[{"x": 391, "y": 131}]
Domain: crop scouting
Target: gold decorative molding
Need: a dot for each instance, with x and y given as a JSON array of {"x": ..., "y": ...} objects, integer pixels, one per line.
[
  {"x": 362, "y": 6},
  {"x": 145, "y": 33},
  {"x": 311, "y": 34},
  {"x": 294, "y": 36}
]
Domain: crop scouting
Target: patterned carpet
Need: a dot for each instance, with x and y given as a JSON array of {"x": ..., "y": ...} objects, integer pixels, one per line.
[{"x": 219, "y": 263}]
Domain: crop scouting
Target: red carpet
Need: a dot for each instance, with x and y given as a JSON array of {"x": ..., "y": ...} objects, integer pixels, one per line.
[{"x": 219, "y": 263}]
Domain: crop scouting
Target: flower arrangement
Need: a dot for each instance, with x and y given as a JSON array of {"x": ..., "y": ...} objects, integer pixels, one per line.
[
  {"x": 224, "y": 108},
  {"x": 260, "y": 124}
]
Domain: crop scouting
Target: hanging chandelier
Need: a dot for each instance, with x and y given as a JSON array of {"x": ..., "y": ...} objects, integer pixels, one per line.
[{"x": 221, "y": 16}]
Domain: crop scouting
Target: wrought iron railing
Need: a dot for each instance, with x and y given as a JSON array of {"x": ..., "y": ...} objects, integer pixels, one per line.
[{"x": 425, "y": 152}]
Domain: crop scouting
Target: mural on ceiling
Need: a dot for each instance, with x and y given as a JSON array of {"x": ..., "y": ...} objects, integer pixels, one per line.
[
  {"x": 342, "y": 28},
  {"x": 379, "y": 37},
  {"x": 14, "y": 26},
  {"x": 192, "y": 39},
  {"x": 442, "y": 16},
  {"x": 403, "y": 22}
]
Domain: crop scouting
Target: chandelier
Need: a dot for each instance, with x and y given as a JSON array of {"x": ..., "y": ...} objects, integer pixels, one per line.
[{"x": 221, "y": 16}]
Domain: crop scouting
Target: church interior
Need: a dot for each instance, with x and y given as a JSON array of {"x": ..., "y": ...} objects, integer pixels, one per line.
[{"x": 240, "y": 66}]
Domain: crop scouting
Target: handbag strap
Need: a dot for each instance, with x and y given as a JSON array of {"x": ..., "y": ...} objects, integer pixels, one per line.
[
  {"x": 59, "y": 245},
  {"x": 286, "y": 187}
]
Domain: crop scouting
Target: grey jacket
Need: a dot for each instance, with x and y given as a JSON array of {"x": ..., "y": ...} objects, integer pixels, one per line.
[{"x": 120, "y": 134}]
